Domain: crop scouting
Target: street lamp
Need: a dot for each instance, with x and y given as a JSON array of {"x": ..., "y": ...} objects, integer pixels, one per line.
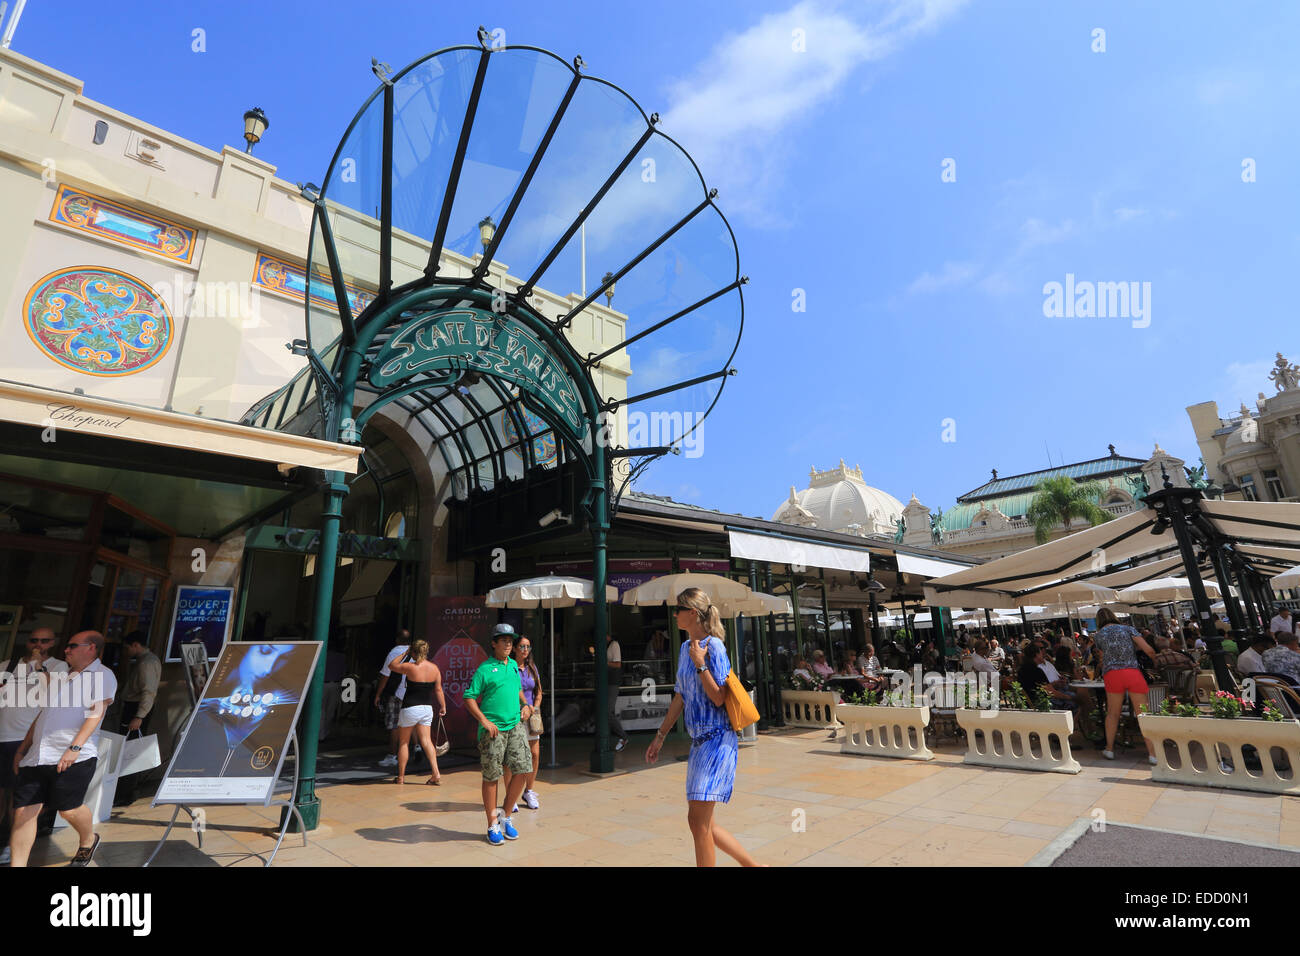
[
  {"x": 607, "y": 280},
  {"x": 486, "y": 230},
  {"x": 255, "y": 124}
]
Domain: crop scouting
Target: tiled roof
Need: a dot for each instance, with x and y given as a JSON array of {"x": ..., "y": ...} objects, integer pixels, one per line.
[
  {"x": 1083, "y": 470},
  {"x": 1015, "y": 506}
]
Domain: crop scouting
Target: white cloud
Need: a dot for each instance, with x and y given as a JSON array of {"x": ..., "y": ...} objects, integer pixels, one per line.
[
  {"x": 1242, "y": 382},
  {"x": 953, "y": 273},
  {"x": 1035, "y": 232},
  {"x": 756, "y": 83},
  {"x": 1125, "y": 214}
]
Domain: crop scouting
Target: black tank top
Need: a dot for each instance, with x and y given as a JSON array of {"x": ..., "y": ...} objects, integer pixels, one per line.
[{"x": 419, "y": 693}]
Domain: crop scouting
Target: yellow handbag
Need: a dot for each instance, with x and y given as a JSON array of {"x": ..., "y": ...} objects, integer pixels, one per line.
[{"x": 740, "y": 709}]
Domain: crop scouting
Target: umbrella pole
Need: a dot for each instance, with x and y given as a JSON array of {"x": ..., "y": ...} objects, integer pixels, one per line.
[{"x": 553, "y": 763}]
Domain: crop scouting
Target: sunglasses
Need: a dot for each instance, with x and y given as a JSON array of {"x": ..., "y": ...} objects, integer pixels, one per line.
[
  {"x": 524, "y": 647},
  {"x": 683, "y": 607},
  {"x": 68, "y": 647}
]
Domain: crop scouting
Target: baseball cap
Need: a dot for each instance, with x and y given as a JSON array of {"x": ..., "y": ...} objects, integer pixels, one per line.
[{"x": 503, "y": 630}]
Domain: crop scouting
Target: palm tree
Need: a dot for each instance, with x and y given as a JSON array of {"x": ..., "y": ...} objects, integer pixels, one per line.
[{"x": 1060, "y": 501}]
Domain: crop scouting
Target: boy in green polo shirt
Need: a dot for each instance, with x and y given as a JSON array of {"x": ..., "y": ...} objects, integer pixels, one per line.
[{"x": 495, "y": 698}]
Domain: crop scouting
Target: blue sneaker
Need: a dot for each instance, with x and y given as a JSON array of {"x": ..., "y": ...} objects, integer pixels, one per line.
[
  {"x": 494, "y": 835},
  {"x": 509, "y": 828}
]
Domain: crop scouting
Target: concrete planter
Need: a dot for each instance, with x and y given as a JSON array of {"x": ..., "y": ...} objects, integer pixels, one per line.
[
  {"x": 884, "y": 731},
  {"x": 1203, "y": 742},
  {"x": 810, "y": 708},
  {"x": 1019, "y": 739}
]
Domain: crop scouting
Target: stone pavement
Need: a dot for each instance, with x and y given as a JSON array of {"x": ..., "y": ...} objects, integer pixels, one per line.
[{"x": 853, "y": 811}]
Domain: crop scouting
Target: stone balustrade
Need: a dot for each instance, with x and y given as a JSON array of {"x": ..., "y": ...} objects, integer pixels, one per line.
[
  {"x": 1019, "y": 739},
  {"x": 884, "y": 731},
  {"x": 1208, "y": 752},
  {"x": 810, "y": 708}
]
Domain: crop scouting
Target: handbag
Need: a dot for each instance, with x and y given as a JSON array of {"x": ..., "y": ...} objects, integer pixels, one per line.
[
  {"x": 535, "y": 725},
  {"x": 740, "y": 709},
  {"x": 441, "y": 742}
]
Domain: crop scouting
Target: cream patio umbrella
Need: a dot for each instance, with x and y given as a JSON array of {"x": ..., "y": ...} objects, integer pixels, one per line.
[
  {"x": 664, "y": 590},
  {"x": 549, "y": 592},
  {"x": 1164, "y": 591},
  {"x": 1287, "y": 579},
  {"x": 1069, "y": 595}
]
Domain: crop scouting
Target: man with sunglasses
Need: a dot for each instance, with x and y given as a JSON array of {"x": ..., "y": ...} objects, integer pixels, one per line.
[
  {"x": 21, "y": 680},
  {"x": 56, "y": 760}
]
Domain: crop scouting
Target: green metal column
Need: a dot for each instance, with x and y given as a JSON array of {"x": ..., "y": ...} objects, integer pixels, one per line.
[
  {"x": 305, "y": 799},
  {"x": 602, "y": 756}
]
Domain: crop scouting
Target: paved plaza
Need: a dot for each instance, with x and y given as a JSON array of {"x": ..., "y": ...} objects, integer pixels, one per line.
[{"x": 855, "y": 810}]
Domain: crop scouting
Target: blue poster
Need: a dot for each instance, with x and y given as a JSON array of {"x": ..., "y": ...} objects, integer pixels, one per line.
[{"x": 202, "y": 614}]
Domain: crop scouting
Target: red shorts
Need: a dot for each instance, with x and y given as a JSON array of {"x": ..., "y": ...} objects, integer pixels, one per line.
[{"x": 1126, "y": 679}]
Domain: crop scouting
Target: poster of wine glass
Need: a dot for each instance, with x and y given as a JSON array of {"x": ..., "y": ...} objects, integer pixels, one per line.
[{"x": 234, "y": 744}]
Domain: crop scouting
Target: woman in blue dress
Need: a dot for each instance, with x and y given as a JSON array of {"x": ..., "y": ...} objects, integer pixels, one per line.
[{"x": 700, "y": 692}]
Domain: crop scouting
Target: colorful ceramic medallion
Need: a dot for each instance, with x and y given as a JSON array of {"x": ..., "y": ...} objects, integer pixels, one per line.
[
  {"x": 543, "y": 436},
  {"x": 98, "y": 321}
]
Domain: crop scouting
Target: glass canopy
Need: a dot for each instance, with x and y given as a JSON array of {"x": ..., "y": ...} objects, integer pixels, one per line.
[{"x": 509, "y": 170}]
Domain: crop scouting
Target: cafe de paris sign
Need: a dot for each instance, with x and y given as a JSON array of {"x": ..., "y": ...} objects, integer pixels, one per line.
[{"x": 485, "y": 342}]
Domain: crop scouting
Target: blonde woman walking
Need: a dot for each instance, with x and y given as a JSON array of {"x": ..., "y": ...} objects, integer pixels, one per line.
[
  {"x": 701, "y": 692},
  {"x": 423, "y": 683}
]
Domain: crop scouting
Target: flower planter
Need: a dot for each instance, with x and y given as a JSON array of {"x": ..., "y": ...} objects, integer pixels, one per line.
[
  {"x": 1202, "y": 742},
  {"x": 1019, "y": 739},
  {"x": 810, "y": 708},
  {"x": 884, "y": 731}
]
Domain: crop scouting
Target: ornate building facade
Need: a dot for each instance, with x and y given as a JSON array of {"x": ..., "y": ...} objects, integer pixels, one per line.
[
  {"x": 1255, "y": 454},
  {"x": 840, "y": 500}
]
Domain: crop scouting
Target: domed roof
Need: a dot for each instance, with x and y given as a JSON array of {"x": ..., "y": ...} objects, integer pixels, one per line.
[{"x": 839, "y": 500}]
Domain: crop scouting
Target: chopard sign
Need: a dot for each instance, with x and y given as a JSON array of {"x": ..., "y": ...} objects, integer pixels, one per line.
[
  {"x": 483, "y": 342},
  {"x": 72, "y": 416}
]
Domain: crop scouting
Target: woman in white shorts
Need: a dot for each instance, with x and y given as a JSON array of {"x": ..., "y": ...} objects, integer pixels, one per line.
[{"x": 423, "y": 684}]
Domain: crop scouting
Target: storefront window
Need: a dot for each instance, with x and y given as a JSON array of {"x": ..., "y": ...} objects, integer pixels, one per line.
[
  {"x": 136, "y": 538},
  {"x": 35, "y": 587},
  {"x": 36, "y": 510}
]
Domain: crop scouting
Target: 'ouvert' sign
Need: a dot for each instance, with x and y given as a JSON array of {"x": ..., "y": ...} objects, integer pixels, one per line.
[{"x": 494, "y": 344}]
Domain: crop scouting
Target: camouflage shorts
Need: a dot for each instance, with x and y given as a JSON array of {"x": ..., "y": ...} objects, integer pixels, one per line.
[{"x": 509, "y": 748}]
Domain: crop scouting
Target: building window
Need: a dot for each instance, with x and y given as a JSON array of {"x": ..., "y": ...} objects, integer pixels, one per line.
[
  {"x": 1274, "y": 484},
  {"x": 1248, "y": 488}
]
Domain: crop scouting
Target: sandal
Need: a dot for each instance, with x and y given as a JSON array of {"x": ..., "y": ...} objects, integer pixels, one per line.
[
  {"x": 435, "y": 781},
  {"x": 85, "y": 853}
]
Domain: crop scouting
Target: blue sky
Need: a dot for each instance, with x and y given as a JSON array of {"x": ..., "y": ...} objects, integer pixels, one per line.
[{"x": 924, "y": 298}]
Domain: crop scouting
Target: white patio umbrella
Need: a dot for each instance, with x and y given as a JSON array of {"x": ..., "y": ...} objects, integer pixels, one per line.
[
  {"x": 664, "y": 590},
  {"x": 1164, "y": 591},
  {"x": 550, "y": 592},
  {"x": 1069, "y": 595},
  {"x": 1287, "y": 579}
]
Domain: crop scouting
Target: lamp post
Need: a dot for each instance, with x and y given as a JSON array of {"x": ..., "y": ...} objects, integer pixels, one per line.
[
  {"x": 874, "y": 587},
  {"x": 486, "y": 230},
  {"x": 255, "y": 124}
]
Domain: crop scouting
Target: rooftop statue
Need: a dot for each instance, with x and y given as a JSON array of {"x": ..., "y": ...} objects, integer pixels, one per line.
[
  {"x": 1284, "y": 375},
  {"x": 1196, "y": 476},
  {"x": 936, "y": 528},
  {"x": 900, "y": 529}
]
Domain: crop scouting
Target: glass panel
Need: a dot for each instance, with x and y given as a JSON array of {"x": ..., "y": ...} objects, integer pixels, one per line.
[
  {"x": 28, "y": 509},
  {"x": 35, "y": 589},
  {"x": 129, "y": 535},
  {"x": 126, "y": 596}
]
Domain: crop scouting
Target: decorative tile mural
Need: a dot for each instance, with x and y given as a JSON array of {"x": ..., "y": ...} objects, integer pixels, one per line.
[
  {"x": 98, "y": 321},
  {"x": 273, "y": 273},
  {"x": 123, "y": 225},
  {"x": 543, "y": 440}
]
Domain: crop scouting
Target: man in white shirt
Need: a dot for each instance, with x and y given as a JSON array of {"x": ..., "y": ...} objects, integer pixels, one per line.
[
  {"x": 19, "y": 684},
  {"x": 57, "y": 757},
  {"x": 1282, "y": 623},
  {"x": 391, "y": 704},
  {"x": 614, "y": 661},
  {"x": 1251, "y": 660}
]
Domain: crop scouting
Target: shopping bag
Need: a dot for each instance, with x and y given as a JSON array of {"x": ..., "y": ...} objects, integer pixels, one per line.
[{"x": 139, "y": 754}]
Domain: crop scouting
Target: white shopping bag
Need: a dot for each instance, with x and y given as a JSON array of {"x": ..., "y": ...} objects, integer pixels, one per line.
[{"x": 138, "y": 755}]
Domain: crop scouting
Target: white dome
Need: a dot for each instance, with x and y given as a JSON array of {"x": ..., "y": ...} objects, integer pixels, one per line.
[
  {"x": 839, "y": 500},
  {"x": 1246, "y": 434}
]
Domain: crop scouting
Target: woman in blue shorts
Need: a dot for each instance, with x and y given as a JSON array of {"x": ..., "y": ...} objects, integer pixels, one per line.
[{"x": 700, "y": 692}]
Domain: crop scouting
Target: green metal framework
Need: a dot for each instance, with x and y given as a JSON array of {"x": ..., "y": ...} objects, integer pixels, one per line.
[{"x": 416, "y": 158}]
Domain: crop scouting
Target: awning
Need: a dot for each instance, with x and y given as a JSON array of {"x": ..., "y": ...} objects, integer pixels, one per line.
[
  {"x": 1256, "y": 522},
  {"x": 46, "y": 408},
  {"x": 369, "y": 579},
  {"x": 792, "y": 551},
  {"x": 929, "y": 567},
  {"x": 1092, "y": 549}
]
